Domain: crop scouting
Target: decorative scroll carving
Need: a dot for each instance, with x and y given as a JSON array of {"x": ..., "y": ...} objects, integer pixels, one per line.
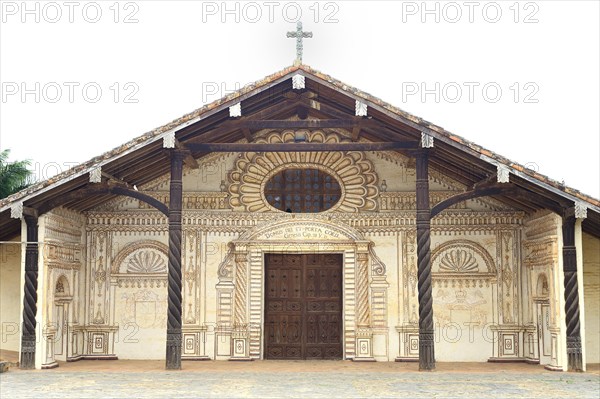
[
  {"x": 354, "y": 172},
  {"x": 377, "y": 266},
  {"x": 226, "y": 267}
]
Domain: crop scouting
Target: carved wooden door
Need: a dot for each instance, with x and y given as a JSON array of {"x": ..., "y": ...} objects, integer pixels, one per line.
[{"x": 303, "y": 317}]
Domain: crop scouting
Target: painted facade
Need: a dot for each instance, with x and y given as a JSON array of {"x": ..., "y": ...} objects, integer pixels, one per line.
[{"x": 498, "y": 289}]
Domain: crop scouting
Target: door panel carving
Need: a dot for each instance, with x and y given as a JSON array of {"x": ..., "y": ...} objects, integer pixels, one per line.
[{"x": 303, "y": 306}]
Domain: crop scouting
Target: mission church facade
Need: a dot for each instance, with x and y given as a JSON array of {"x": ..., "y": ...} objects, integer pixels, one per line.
[{"x": 300, "y": 218}]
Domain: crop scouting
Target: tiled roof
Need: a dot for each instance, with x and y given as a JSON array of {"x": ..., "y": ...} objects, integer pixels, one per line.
[{"x": 198, "y": 114}]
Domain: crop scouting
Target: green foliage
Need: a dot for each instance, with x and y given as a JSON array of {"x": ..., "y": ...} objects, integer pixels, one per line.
[{"x": 14, "y": 176}]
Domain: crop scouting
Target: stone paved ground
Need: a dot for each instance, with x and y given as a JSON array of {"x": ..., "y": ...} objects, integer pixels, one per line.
[{"x": 279, "y": 379}]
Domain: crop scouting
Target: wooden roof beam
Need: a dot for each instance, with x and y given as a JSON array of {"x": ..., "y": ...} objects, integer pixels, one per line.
[
  {"x": 232, "y": 125},
  {"x": 301, "y": 147}
]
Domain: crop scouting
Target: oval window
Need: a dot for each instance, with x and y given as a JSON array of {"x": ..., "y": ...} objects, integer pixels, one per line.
[{"x": 302, "y": 191}]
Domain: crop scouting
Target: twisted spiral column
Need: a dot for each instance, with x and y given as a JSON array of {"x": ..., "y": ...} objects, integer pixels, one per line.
[
  {"x": 426, "y": 342},
  {"x": 30, "y": 294},
  {"x": 173, "y": 360},
  {"x": 362, "y": 288},
  {"x": 241, "y": 289},
  {"x": 574, "y": 354}
]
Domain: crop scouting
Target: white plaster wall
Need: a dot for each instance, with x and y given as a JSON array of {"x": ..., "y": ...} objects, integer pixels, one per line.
[
  {"x": 591, "y": 284},
  {"x": 462, "y": 317},
  {"x": 141, "y": 314},
  {"x": 208, "y": 177},
  {"x": 10, "y": 294}
]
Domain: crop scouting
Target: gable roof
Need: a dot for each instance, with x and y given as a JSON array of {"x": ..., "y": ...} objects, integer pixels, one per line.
[{"x": 143, "y": 159}]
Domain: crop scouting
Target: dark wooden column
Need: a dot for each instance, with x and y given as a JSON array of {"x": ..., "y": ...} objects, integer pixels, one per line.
[
  {"x": 173, "y": 361},
  {"x": 426, "y": 343},
  {"x": 28, "y": 337},
  {"x": 571, "y": 292}
]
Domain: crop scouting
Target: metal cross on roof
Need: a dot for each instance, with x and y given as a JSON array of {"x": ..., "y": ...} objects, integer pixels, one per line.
[{"x": 299, "y": 35}]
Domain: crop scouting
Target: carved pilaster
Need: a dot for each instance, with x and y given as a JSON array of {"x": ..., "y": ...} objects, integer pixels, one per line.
[
  {"x": 426, "y": 343},
  {"x": 28, "y": 339},
  {"x": 574, "y": 354},
  {"x": 241, "y": 288},
  {"x": 240, "y": 334},
  {"x": 173, "y": 360},
  {"x": 363, "y": 317},
  {"x": 364, "y": 334}
]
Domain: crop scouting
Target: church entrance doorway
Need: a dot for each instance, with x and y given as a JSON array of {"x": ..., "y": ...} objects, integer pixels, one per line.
[{"x": 303, "y": 306}]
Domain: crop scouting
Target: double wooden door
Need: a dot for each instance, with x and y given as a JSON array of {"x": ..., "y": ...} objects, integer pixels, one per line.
[{"x": 303, "y": 317}]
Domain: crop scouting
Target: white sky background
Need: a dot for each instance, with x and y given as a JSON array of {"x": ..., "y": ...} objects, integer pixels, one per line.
[{"x": 175, "y": 55}]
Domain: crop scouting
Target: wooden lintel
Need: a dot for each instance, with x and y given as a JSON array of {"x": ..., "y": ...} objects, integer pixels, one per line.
[{"x": 301, "y": 147}]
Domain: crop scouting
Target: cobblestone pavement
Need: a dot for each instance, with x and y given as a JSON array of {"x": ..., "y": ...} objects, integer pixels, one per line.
[{"x": 280, "y": 379}]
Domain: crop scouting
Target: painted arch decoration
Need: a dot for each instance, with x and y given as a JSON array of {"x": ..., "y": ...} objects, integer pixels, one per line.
[
  {"x": 462, "y": 260},
  {"x": 353, "y": 171}
]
